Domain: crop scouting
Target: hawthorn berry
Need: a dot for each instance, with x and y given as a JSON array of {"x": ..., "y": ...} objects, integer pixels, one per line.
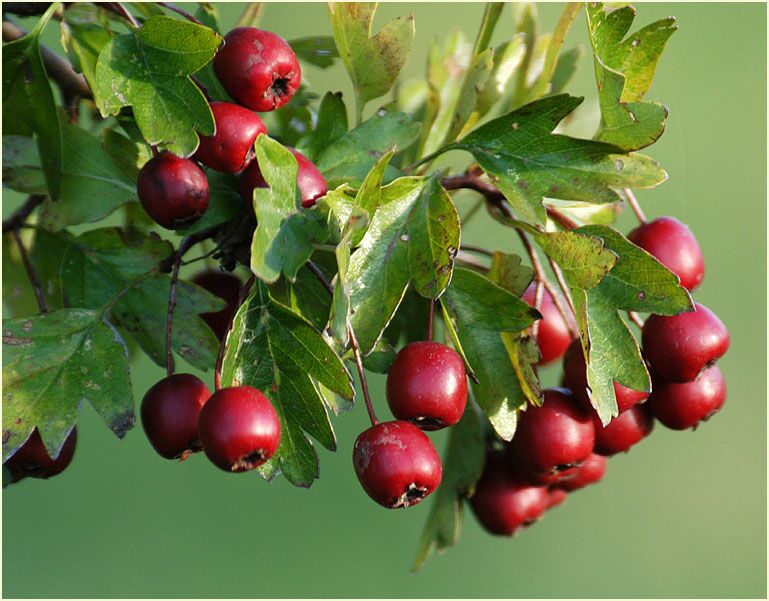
[
  {"x": 672, "y": 244},
  {"x": 169, "y": 414},
  {"x": 553, "y": 335},
  {"x": 232, "y": 146},
  {"x": 503, "y": 502},
  {"x": 257, "y": 68},
  {"x": 591, "y": 471},
  {"x": 427, "y": 385},
  {"x": 685, "y": 405},
  {"x": 309, "y": 180},
  {"x": 624, "y": 431},
  {"x": 31, "y": 460},
  {"x": 172, "y": 190},
  {"x": 556, "y": 496},
  {"x": 227, "y": 287},
  {"x": 239, "y": 428},
  {"x": 396, "y": 464},
  {"x": 681, "y": 346}
]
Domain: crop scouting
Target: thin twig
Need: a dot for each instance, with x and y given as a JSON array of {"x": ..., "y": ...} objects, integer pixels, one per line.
[
  {"x": 180, "y": 11},
  {"x": 186, "y": 244},
  {"x": 31, "y": 275},
  {"x": 476, "y": 249},
  {"x": 202, "y": 87},
  {"x": 318, "y": 273},
  {"x": 539, "y": 293},
  {"x": 430, "y": 319},
  {"x": 633, "y": 202},
  {"x": 561, "y": 219},
  {"x": 636, "y": 319},
  {"x": 18, "y": 218},
  {"x": 566, "y": 293},
  {"x": 170, "y": 315},
  {"x": 122, "y": 11},
  {"x": 251, "y": 15}
]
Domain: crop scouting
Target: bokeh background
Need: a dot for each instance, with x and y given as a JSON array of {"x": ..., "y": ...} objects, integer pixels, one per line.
[{"x": 682, "y": 515}]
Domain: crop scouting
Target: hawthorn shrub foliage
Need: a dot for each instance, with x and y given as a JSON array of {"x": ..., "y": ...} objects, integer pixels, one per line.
[{"x": 344, "y": 280}]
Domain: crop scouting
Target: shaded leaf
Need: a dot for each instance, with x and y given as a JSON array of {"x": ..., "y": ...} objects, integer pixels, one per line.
[
  {"x": 84, "y": 33},
  {"x": 332, "y": 125},
  {"x": 319, "y": 50},
  {"x": 22, "y": 170}
]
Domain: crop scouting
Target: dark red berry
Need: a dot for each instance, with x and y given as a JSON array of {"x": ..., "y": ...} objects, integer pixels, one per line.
[
  {"x": 308, "y": 179},
  {"x": 396, "y": 464},
  {"x": 575, "y": 378},
  {"x": 681, "y": 346},
  {"x": 504, "y": 503},
  {"x": 553, "y": 438},
  {"x": 624, "y": 431},
  {"x": 556, "y": 497},
  {"x": 427, "y": 385},
  {"x": 169, "y": 415},
  {"x": 173, "y": 190},
  {"x": 232, "y": 146},
  {"x": 257, "y": 68},
  {"x": 553, "y": 336},
  {"x": 672, "y": 244},
  {"x": 682, "y": 406},
  {"x": 227, "y": 287},
  {"x": 590, "y": 472},
  {"x": 239, "y": 428},
  {"x": 31, "y": 460}
]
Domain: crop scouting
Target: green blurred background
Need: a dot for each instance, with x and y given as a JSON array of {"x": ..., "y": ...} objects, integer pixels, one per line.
[{"x": 682, "y": 515}]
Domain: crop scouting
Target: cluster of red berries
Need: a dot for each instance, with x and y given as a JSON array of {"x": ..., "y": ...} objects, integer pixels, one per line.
[
  {"x": 562, "y": 446},
  {"x": 260, "y": 71}
]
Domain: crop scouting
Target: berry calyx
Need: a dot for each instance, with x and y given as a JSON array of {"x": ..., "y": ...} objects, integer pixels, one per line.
[
  {"x": 672, "y": 244},
  {"x": 504, "y": 503},
  {"x": 31, "y": 460},
  {"x": 681, "y": 346},
  {"x": 396, "y": 463},
  {"x": 553, "y": 439},
  {"x": 239, "y": 429},
  {"x": 427, "y": 385},
  {"x": 624, "y": 431},
  {"x": 172, "y": 190},
  {"x": 685, "y": 405},
  {"x": 553, "y": 336},
  {"x": 309, "y": 180},
  {"x": 257, "y": 68},
  {"x": 169, "y": 415},
  {"x": 227, "y": 287},
  {"x": 591, "y": 471},
  {"x": 232, "y": 146}
]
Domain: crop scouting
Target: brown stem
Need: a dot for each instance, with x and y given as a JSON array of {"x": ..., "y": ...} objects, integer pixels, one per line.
[
  {"x": 633, "y": 202},
  {"x": 202, "y": 87},
  {"x": 539, "y": 293},
  {"x": 170, "y": 315},
  {"x": 476, "y": 249},
  {"x": 31, "y": 275},
  {"x": 16, "y": 220},
  {"x": 561, "y": 219},
  {"x": 430, "y": 320},
  {"x": 566, "y": 293},
  {"x": 180, "y": 11},
  {"x": 320, "y": 276},
  {"x": 186, "y": 244},
  {"x": 122, "y": 11}
]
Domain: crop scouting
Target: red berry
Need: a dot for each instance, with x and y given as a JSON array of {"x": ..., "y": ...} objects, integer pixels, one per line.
[
  {"x": 682, "y": 406},
  {"x": 575, "y": 378},
  {"x": 32, "y": 460},
  {"x": 173, "y": 190},
  {"x": 232, "y": 146},
  {"x": 309, "y": 180},
  {"x": 257, "y": 68},
  {"x": 504, "y": 503},
  {"x": 169, "y": 415},
  {"x": 680, "y": 347},
  {"x": 239, "y": 428},
  {"x": 396, "y": 464},
  {"x": 624, "y": 431},
  {"x": 553, "y": 438},
  {"x": 556, "y": 497},
  {"x": 227, "y": 287},
  {"x": 553, "y": 336},
  {"x": 590, "y": 472},
  {"x": 427, "y": 385},
  {"x": 673, "y": 245}
]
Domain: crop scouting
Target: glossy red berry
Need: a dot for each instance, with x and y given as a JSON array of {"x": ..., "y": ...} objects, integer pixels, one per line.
[
  {"x": 575, "y": 378},
  {"x": 173, "y": 190},
  {"x": 427, "y": 385},
  {"x": 681, "y": 346},
  {"x": 308, "y": 179},
  {"x": 239, "y": 428},
  {"x": 624, "y": 431},
  {"x": 232, "y": 146},
  {"x": 683, "y": 406},
  {"x": 553, "y": 336},
  {"x": 169, "y": 414},
  {"x": 553, "y": 439},
  {"x": 257, "y": 68},
  {"x": 227, "y": 287},
  {"x": 396, "y": 464},
  {"x": 504, "y": 503},
  {"x": 31, "y": 460},
  {"x": 591, "y": 471},
  {"x": 556, "y": 496},
  {"x": 672, "y": 244}
]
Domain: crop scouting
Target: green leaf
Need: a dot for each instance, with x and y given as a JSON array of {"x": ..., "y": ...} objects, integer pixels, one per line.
[
  {"x": 319, "y": 50},
  {"x": 52, "y": 365},
  {"x": 332, "y": 125},
  {"x": 208, "y": 14},
  {"x": 84, "y": 34},
  {"x": 568, "y": 61},
  {"x": 272, "y": 348},
  {"x": 507, "y": 59},
  {"x": 508, "y": 272},
  {"x": 529, "y": 162},
  {"x": 148, "y": 69},
  {"x": 225, "y": 202},
  {"x": 462, "y": 467},
  {"x": 582, "y": 258},
  {"x": 373, "y": 63},
  {"x": 554, "y": 44},
  {"x": 22, "y": 170},
  {"x": 28, "y": 103},
  {"x": 128, "y": 156},
  {"x": 475, "y": 80}
]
